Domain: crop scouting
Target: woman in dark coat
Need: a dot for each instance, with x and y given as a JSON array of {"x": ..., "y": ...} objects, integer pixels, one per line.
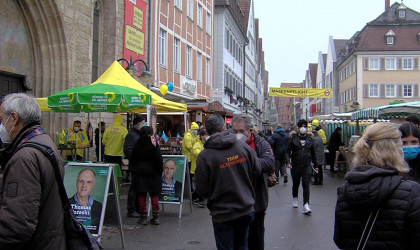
[
  {"x": 375, "y": 189},
  {"x": 333, "y": 144},
  {"x": 147, "y": 165}
]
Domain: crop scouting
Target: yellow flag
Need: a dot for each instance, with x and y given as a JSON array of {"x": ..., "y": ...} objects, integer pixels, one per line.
[{"x": 300, "y": 92}]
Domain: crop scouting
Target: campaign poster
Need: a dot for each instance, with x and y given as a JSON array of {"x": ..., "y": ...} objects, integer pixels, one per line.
[
  {"x": 173, "y": 179},
  {"x": 87, "y": 188}
]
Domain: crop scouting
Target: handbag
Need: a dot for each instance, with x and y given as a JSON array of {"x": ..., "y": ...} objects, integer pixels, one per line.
[
  {"x": 272, "y": 180},
  {"x": 77, "y": 237}
]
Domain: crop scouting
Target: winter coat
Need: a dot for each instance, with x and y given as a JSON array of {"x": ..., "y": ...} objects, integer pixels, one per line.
[
  {"x": 146, "y": 163},
  {"x": 81, "y": 139},
  {"x": 322, "y": 135},
  {"x": 319, "y": 149},
  {"x": 301, "y": 156},
  {"x": 414, "y": 173},
  {"x": 266, "y": 159},
  {"x": 225, "y": 169},
  {"x": 187, "y": 144},
  {"x": 278, "y": 142},
  {"x": 31, "y": 214},
  {"x": 335, "y": 142},
  {"x": 367, "y": 188},
  {"x": 129, "y": 142},
  {"x": 114, "y": 138},
  {"x": 198, "y": 146}
]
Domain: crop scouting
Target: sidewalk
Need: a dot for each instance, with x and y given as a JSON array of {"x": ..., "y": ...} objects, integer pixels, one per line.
[{"x": 286, "y": 227}]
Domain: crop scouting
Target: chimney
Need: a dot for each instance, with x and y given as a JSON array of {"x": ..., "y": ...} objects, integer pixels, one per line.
[{"x": 387, "y": 3}]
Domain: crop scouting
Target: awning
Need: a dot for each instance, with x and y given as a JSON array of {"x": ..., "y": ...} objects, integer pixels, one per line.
[{"x": 388, "y": 111}]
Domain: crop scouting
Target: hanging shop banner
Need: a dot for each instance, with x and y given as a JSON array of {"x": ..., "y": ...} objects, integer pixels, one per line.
[{"x": 300, "y": 92}]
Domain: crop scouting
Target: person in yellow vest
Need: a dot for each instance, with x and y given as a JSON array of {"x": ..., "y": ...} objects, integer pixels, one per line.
[
  {"x": 198, "y": 146},
  {"x": 113, "y": 140},
  {"x": 321, "y": 132},
  {"x": 77, "y": 135},
  {"x": 187, "y": 145}
]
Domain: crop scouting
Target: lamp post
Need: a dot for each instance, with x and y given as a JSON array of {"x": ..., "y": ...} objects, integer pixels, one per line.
[{"x": 146, "y": 78}]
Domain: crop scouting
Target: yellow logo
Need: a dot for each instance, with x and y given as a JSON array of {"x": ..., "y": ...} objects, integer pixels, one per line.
[
  {"x": 143, "y": 98},
  {"x": 111, "y": 96},
  {"x": 123, "y": 104},
  {"x": 71, "y": 97},
  {"x": 90, "y": 107}
]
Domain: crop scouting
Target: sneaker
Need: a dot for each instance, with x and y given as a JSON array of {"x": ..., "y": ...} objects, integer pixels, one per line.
[
  {"x": 285, "y": 178},
  {"x": 295, "y": 202},
  {"x": 196, "y": 201},
  {"x": 306, "y": 209}
]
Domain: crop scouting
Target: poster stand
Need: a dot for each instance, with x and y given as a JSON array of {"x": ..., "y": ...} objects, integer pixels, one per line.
[
  {"x": 181, "y": 177},
  {"x": 105, "y": 187}
]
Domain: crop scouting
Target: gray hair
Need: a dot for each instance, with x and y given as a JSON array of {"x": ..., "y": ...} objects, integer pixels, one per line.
[
  {"x": 214, "y": 124},
  {"x": 24, "y": 105},
  {"x": 242, "y": 117}
]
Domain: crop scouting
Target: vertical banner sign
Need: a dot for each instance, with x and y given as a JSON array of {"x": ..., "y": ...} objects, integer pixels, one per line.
[{"x": 134, "y": 31}]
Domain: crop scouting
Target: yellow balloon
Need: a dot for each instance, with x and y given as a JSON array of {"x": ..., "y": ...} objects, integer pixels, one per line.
[{"x": 163, "y": 89}]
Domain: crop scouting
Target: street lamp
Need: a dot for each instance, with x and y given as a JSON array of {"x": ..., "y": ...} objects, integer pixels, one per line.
[{"x": 146, "y": 77}]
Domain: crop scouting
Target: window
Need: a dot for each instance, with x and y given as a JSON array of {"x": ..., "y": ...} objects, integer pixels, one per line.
[
  {"x": 401, "y": 13},
  {"x": 177, "y": 58},
  {"x": 208, "y": 71},
  {"x": 374, "y": 63},
  {"x": 227, "y": 39},
  {"x": 407, "y": 63},
  {"x": 407, "y": 90},
  {"x": 390, "y": 40},
  {"x": 373, "y": 90},
  {"x": 190, "y": 11},
  {"x": 188, "y": 61},
  {"x": 162, "y": 47},
  {"x": 200, "y": 16},
  {"x": 208, "y": 23},
  {"x": 390, "y": 63},
  {"x": 199, "y": 67},
  {"x": 178, "y": 4},
  {"x": 390, "y": 90}
]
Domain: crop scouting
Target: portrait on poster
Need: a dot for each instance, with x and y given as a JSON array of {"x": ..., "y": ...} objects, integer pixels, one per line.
[
  {"x": 86, "y": 188},
  {"x": 173, "y": 178}
]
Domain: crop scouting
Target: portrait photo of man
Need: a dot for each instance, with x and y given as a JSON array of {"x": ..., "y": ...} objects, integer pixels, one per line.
[
  {"x": 85, "y": 208},
  {"x": 171, "y": 188}
]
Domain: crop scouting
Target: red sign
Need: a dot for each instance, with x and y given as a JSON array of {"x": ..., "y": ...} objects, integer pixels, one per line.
[
  {"x": 313, "y": 109},
  {"x": 134, "y": 31}
]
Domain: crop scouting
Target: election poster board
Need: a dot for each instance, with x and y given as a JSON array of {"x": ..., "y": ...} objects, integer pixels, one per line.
[
  {"x": 87, "y": 188},
  {"x": 175, "y": 179}
]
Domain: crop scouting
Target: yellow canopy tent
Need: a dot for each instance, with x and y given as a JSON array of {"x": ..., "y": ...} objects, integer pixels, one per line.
[{"x": 117, "y": 75}]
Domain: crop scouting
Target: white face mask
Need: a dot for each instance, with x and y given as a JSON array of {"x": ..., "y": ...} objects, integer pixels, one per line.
[
  {"x": 241, "y": 137},
  {"x": 76, "y": 129},
  {"x": 4, "y": 135},
  {"x": 302, "y": 130}
]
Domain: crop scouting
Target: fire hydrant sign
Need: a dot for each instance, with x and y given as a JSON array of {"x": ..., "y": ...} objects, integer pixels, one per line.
[{"x": 300, "y": 92}]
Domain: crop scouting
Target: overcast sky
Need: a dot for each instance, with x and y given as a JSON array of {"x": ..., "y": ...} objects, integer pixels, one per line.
[{"x": 293, "y": 32}]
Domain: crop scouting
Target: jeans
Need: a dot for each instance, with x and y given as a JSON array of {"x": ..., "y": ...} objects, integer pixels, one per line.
[
  {"x": 256, "y": 232},
  {"x": 297, "y": 175},
  {"x": 233, "y": 234}
]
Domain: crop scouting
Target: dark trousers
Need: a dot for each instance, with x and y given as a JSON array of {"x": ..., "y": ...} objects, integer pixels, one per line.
[
  {"x": 132, "y": 204},
  {"x": 256, "y": 232},
  {"x": 113, "y": 159},
  {"x": 297, "y": 175},
  {"x": 319, "y": 177},
  {"x": 331, "y": 160},
  {"x": 280, "y": 167},
  {"x": 233, "y": 234}
]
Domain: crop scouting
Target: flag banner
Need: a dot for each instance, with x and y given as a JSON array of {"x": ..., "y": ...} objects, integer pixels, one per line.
[{"x": 300, "y": 92}]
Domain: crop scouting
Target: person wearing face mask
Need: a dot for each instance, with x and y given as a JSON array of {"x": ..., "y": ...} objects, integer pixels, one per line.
[
  {"x": 190, "y": 137},
  {"x": 244, "y": 131},
  {"x": 30, "y": 205},
  {"x": 78, "y": 135},
  {"x": 131, "y": 138},
  {"x": 300, "y": 152},
  {"x": 410, "y": 137}
]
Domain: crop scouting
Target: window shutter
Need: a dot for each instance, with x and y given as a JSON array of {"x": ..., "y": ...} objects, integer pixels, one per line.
[
  {"x": 415, "y": 63},
  {"x": 381, "y": 90},
  {"x": 366, "y": 64},
  {"x": 399, "y": 94},
  {"x": 366, "y": 90},
  {"x": 382, "y": 62},
  {"x": 415, "y": 90},
  {"x": 398, "y": 63}
]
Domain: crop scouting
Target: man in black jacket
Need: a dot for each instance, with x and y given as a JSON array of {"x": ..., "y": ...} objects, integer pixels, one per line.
[
  {"x": 130, "y": 140},
  {"x": 225, "y": 170},
  {"x": 301, "y": 150},
  {"x": 278, "y": 142},
  {"x": 242, "y": 127}
]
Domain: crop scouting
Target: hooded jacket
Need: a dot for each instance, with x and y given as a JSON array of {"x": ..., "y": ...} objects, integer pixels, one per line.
[
  {"x": 187, "y": 144},
  {"x": 225, "y": 169},
  {"x": 31, "y": 214},
  {"x": 367, "y": 188},
  {"x": 114, "y": 137},
  {"x": 278, "y": 142},
  {"x": 198, "y": 146}
]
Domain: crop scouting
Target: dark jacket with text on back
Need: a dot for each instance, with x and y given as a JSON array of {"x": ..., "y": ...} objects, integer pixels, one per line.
[
  {"x": 225, "y": 169},
  {"x": 398, "y": 223}
]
